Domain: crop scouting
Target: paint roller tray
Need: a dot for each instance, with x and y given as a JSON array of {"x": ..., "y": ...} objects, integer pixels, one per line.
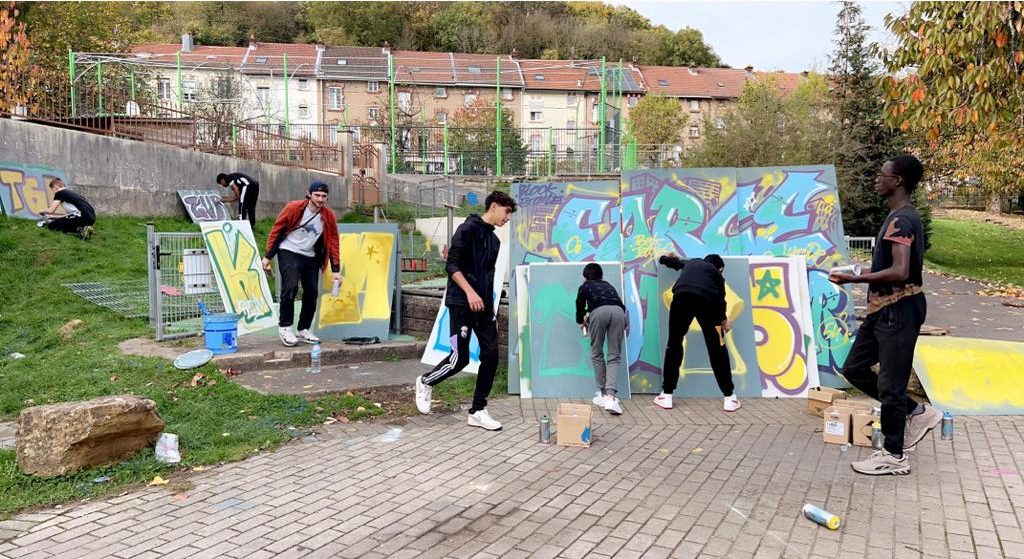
[{"x": 193, "y": 359}]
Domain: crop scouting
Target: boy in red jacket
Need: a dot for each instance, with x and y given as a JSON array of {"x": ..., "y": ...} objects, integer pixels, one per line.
[{"x": 304, "y": 239}]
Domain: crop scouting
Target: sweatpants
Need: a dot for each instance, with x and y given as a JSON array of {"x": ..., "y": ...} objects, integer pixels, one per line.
[
  {"x": 685, "y": 307},
  {"x": 888, "y": 337},
  {"x": 462, "y": 323},
  {"x": 297, "y": 269},
  {"x": 247, "y": 198},
  {"x": 606, "y": 322},
  {"x": 69, "y": 224}
]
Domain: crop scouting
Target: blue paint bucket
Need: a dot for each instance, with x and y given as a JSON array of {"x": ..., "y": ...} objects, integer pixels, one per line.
[{"x": 221, "y": 332}]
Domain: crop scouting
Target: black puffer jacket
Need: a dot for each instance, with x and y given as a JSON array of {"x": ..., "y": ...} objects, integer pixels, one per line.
[{"x": 473, "y": 251}]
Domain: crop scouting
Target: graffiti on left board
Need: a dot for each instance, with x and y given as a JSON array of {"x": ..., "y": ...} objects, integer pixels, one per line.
[{"x": 23, "y": 189}]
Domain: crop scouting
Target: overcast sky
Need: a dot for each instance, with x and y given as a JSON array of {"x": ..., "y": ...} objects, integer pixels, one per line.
[{"x": 790, "y": 36}]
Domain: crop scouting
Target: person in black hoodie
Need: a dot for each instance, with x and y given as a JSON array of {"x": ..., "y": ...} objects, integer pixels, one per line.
[
  {"x": 698, "y": 293},
  {"x": 472, "y": 253}
]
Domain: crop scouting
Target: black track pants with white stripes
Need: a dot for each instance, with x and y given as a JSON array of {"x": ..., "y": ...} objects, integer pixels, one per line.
[{"x": 464, "y": 322}]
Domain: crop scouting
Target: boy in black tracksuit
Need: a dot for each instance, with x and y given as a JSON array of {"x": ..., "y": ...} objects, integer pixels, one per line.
[
  {"x": 472, "y": 253},
  {"x": 698, "y": 293}
]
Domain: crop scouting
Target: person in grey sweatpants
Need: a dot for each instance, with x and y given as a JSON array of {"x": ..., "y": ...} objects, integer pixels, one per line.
[{"x": 606, "y": 320}]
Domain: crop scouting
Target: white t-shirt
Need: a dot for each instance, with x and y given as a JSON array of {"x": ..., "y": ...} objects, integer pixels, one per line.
[{"x": 301, "y": 240}]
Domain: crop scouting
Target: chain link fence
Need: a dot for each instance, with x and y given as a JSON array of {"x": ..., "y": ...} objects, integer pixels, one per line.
[{"x": 180, "y": 277}]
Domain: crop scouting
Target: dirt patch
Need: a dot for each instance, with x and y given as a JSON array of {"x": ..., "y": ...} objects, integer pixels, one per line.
[
  {"x": 398, "y": 404},
  {"x": 1012, "y": 221},
  {"x": 45, "y": 258}
]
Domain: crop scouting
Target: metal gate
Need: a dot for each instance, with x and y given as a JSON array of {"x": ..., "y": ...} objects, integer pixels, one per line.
[{"x": 180, "y": 276}]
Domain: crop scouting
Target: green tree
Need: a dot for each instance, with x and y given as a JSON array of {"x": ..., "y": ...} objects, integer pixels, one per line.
[
  {"x": 770, "y": 127},
  {"x": 657, "y": 119},
  {"x": 963, "y": 91},
  {"x": 15, "y": 72},
  {"x": 472, "y": 138},
  {"x": 858, "y": 111}
]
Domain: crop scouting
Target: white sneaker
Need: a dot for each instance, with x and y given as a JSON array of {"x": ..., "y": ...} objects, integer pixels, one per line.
[
  {"x": 483, "y": 419},
  {"x": 731, "y": 403},
  {"x": 598, "y": 399},
  {"x": 611, "y": 405},
  {"x": 663, "y": 401},
  {"x": 308, "y": 337},
  {"x": 424, "y": 394},
  {"x": 287, "y": 338}
]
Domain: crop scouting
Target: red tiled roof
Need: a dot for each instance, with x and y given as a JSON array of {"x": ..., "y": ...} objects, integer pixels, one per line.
[
  {"x": 577, "y": 75},
  {"x": 673, "y": 81},
  {"x": 270, "y": 56},
  {"x": 444, "y": 68},
  {"x": 199, "y": 55},
  {"x": 786, "y": 82}
]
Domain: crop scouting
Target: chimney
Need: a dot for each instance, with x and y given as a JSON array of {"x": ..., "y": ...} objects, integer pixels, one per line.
[
  {"x": 320, "y": 48},
  {"x": 252, "y": 42},
  {"x": 805, "y": 73},
  {"x": 186, "y": 43},
  {"x": 386, "y": 49},
  {"x": 749, "y": 69},
  {"x": 515, "y": 53}
]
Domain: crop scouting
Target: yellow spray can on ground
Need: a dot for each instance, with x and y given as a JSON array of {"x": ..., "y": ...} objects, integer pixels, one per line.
[{"x": 821, "y": 516}]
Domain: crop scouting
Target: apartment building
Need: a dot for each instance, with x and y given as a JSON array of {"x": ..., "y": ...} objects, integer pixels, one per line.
[
  {"x": 353, "y": 87},
  {"x": 703, "y": 93}
]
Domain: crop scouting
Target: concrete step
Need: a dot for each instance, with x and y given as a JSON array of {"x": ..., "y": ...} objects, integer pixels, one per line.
[{"x": 333, "y": 353}]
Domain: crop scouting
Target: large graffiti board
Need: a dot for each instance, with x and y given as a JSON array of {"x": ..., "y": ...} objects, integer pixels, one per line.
[
  {"x": 369, "y": 256},
  {"x": 24, "y": 189},
  {"x": 968, "y": 376},
  {"x": 204, "y": 205},
  {"x": 240, "y": 277},
  {"x": 785, "y": 211},
  {"x": 560, "y": 222}
]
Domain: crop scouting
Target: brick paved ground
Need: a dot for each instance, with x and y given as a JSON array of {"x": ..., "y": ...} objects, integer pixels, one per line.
[{"x": 686, "y": 483}]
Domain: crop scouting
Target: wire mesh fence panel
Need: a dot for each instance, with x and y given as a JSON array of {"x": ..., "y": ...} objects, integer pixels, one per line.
[
  {"x": 861, "y": 248},
  {"x": 127, "y": 297},
  {"x": 181, "y": 277}
]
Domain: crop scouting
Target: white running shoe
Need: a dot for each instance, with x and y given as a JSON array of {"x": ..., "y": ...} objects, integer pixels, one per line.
[
  {"x": 308, "y": 337},
  {"x": 731, "y": 403},
  {"x": 287, "y": 338},
  {"x": 663, "y": 401},
  {"x": 598, "y": 399},
  {"x": 424, "y": 393},
  {"x": 611, "y": 405},
  {"x": 483, "y": 419}
]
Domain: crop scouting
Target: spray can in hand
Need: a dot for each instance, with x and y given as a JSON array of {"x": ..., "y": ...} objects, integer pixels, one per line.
[
  {"x": 947, "y": 426},
  {"x": 336, "y": 289},
  {"x": 821, "y": 516},
  {"x": 545, "y": 430}
]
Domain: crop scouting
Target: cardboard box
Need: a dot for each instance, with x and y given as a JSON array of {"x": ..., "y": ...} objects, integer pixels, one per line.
[
  {"x": 822, "y": 397},
  {"x": 861, "y": 426},
  {"x": 573, "y": 425},
  {"x": 837, "y": 425}
]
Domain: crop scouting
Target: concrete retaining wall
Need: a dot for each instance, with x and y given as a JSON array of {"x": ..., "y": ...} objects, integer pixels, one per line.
[
  {"x": 126, "y": 177},
  {"x": 419, "y": 309}
]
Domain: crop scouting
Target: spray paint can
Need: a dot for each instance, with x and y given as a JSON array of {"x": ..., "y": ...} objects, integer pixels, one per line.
[
  {"x": 947, "y": 426},
  {"x": 821, "y": 516},
  {"x": 877, "y": 439},
  {"x": 848, "y": 269},
  {"x": 336, "y": 289},
  {"x": 545, "y": 430}
]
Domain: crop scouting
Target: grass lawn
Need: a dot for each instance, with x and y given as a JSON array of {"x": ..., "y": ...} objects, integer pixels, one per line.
[
  {"x": 977, "y": 250},
  {"x": 215, "y": 423}
]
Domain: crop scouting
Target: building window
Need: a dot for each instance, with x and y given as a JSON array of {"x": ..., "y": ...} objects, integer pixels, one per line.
[
  {"x": 405, "y": 100},
  {"x": 263, "y": 95},
  {"x": 506, "y": 93},
  {"x": 570, "y": 124},
  {"x": 535, "y": 140},
  {"x": 373, "y": 87},
  {"x": 440, "y": 92},
  {"x": 632, "y": 100},
  {"x": 719, "y": 122},
  {"x": 694, "y": 132},
  {"x": 303, "y": 85},
  {"x": 163, "y": 89},
  {"x": 373, "y": 113},
  {"x": 335, "y": 98},
  {"x": 442, "y": 117},
  {"x": 281, "y": 130},
  {"x": 536, "y": 116},
  {"x": 303, "y": 111},
  {"x": 188, "y": 90},
  {"x": 332, "y": 135},
  {"x": 471, "y": 98},
  {"x": 536, "y": 102},
  {"x": 694, "y": 106},
  {"x": 570, "y": 100}
]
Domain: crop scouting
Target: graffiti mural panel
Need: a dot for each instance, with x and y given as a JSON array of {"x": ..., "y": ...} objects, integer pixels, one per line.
[
  {"x": 204, "y": 205},
  {"x": 24, "y": 191},
  {"x": 561, "y": 222},
  {"x": 369, "y": 253},
  {"x": 240, "y": 277}
]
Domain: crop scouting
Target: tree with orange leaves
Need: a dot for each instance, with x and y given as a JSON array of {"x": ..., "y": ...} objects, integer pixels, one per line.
[{"x": 14, "y": 67}]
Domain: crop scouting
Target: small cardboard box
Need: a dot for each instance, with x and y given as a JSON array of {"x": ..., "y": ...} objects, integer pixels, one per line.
[
  {"x": 837, "y": 425},
  {"x": 822, "y": 397},
  {"x": 573, "y": 425},
  {"x": 861, "y": 426}
]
